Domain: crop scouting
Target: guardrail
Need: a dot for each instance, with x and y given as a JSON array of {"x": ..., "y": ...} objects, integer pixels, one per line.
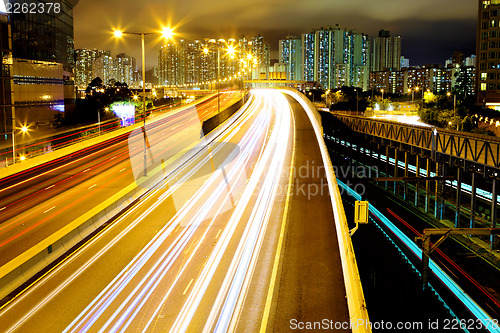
[
  {"x": 354, "y": 291},
  {"x": 75, "y": 145},
  {"x": 475, "y": 148},
  {"x": 26, "y": 265}
]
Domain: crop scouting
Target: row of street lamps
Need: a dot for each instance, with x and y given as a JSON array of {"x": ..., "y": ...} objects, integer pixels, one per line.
[{"x": 168, "y": 33}]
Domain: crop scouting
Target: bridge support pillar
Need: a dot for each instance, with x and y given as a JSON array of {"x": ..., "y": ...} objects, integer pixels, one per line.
[
  {"x": 494, "y": 210},
  {"x": 473, "y": 201},
  {"x": 396, "y": 162},
  {"x": 458, "y": 197},
  {"x": 438, "y": 202},
  {"x": 386, "y": 163},
  {"x": 417, "y": 174},
  {"x": 427, "y": 186},
  {"x": 406, "y": 176}
]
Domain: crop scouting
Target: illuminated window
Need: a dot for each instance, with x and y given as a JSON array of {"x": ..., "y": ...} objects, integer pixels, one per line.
[
  {"x": 484, "y": 76},
  {"x": 483, "y": 86}
]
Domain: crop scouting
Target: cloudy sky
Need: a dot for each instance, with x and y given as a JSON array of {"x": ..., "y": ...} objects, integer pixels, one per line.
[{"x": 430, "y": 29}]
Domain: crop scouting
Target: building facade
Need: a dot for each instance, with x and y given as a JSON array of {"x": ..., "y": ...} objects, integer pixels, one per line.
[
  {"x": 7, "y": 114},
  {"x": 203, "y": 61},
  {"x": 331, "y": 56},
  {"x": 290, "y": 53},
  {"x": 83, "y": 65},
  {"x": 488, "y": 54},
  {"x": 42, "y": 44},
  {"x": 437, "y": 80},
  {"x": 386, "y": 52}
]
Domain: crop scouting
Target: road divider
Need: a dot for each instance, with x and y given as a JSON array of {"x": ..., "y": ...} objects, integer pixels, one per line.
[{"x": 354, "y": 291}]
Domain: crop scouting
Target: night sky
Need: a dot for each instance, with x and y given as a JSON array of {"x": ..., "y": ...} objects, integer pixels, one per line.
[{"x": 431, "y": 30}]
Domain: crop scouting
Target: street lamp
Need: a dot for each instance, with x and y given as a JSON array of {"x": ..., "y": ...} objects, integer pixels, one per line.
[
  {"x": 454, "y": 106},
  {"x": 382, "y": 91},
  {"x": 24, "y": 129},
  {"x": 166, "y": 33},
  {"x": 231, "y": 51}
]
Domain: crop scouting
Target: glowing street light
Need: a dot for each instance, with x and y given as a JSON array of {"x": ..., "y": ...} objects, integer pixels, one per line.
[{"x": 167, "y": 33}]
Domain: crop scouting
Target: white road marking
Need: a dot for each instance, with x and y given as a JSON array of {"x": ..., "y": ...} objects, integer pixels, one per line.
[
  {"x": 189, "y": 285},
  {"x": 48, "y": 210}
]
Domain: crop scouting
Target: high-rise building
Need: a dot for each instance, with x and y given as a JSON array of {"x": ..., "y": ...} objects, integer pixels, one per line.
[
  {"x": 308, "y": 56},
  {"x": 470, "y": 61},
  {"x": 334, "y": 58},
  {"x": 457, "y": 58},
  {"x": 7, "y": 114},
  {"x": 103, "y": 67},
  {"x": 359, "y": 60},
  {"x": 261, "y": 50},
  {"x": 488, "y": 54},
  {"x": 42, "y": 42},
  {"x": 193, "y": 61},
  {"x": 405, "y": 63},
  {"x": 171, "y": 63},
  {"x": 386, "y": 52},
  {"x": 186, "y": 62},
  {"x": 290, "y": 52},
  {"x": 46, "y": 36},
  {"x": 124, "y": 66},
  {"x": 83, "y": 65},
  {"x": 437, "y": 80}
]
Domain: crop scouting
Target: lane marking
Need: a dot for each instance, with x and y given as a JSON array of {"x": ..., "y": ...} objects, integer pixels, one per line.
[
  {"x": 2, "y": 208},
  {"x": 122, "y": 169},
  {"x": 189, "y": 285},
  {"x": 50, "y": 186},
  {"x": 218, "y": 234},
  {"x": 274, "y": 274},
  {"x": 92, "y": 186},
  {"x": 86, "y": 170},
  {"x": 48, "y": 210}
]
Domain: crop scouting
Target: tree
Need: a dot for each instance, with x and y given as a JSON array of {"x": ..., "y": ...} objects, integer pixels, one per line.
[{"x": 93, "y": 85}]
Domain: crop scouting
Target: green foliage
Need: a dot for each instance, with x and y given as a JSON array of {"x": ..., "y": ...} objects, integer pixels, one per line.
[
  {"x": 347, "y": 99},
  {"x": 58, "y": 120}
]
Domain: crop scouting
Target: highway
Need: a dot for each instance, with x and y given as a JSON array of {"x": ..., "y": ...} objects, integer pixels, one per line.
[
  {"x": 39, "y": 202},
  {"x": 226, "y": 239}
]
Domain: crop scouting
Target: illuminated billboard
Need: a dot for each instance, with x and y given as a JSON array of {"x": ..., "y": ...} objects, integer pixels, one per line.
[{"x": 125, "y": 112}]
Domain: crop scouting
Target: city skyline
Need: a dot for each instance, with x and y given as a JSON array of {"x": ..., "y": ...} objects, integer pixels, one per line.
[{"x": 429, "y": 35}]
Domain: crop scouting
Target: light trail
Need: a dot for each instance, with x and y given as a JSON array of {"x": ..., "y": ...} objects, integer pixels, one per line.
[
  {"x": 445, "y": 279},
  {"x": 148, "y": 285}
]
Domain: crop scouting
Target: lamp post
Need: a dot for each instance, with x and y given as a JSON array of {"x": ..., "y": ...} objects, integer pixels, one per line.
[
  {"x": 218, "y": 79},
  {"x": 454, "y": 106},
  {"x": 231, "y": 51},
  {"x": 382, "y": 91},
  {"x": 167, "y": 33}
]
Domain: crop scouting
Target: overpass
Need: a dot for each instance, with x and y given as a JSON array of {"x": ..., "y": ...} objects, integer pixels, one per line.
[
  {"x": 236, "y": 230},
  {"x": 446, "y": 155}
]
